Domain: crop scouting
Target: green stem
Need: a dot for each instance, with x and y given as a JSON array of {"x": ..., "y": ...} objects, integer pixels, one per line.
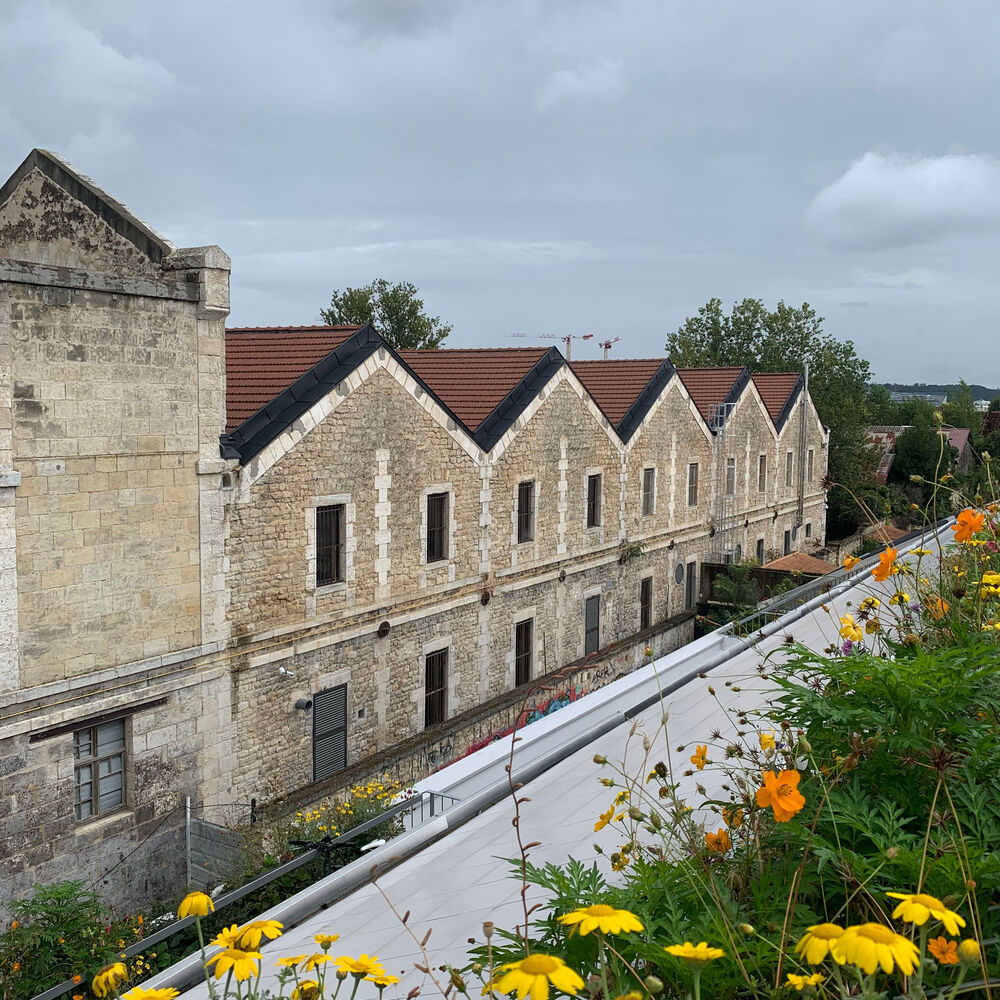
[
  {"x": 201, "y": 943},
  {"x": 357, "y": 983},
  {"x": 697, "y": 984},
  {"x": 604, "y": 965}
]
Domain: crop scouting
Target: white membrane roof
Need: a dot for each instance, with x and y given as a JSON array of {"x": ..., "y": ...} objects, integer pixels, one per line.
[{"x": 455, "y": 883}]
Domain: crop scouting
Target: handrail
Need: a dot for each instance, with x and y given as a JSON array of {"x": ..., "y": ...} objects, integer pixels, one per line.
[{"x": 234, "y": 895}]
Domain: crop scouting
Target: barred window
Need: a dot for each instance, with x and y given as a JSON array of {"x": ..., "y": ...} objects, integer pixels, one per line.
[
  {"x": 435, "y": 687},
  {"x": 437, "y": 527},
  {"x": 526, "y": 511},
  {"x": 99, "y": 769},
  {"x": 648, "y": 491},
  {"x": 594, "y": 500},
  {"x": 762, "y": 474},
  {"x": 693, "y": 485},
  {"x": 789, "y": 466},
  {"x": 330, "y": 544},
  {"x": 809, "y": 465},
  {"x": 730, "y": 477},
  {"x": 645, "y": 603},
  {"x": 523, "y": 635}
]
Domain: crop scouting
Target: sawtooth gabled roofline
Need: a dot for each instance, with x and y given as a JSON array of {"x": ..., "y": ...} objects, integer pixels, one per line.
[
  {"x": 83, "y": 189},
  {"x": 633, "y": 418},
  {"x": 493, "y": 428},
  {"x": 258, "y": 431},
  {"x": 786, "y": 410}
]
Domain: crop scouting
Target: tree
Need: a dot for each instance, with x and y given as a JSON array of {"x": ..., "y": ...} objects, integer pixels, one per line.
[
  {"x": 395, "y": 311},
  {"x": 960, "y": 410},
  {"x": 920, "y": 449},
  {"x": 782, "y": 340},
  {"x": 881, "y": 409}
]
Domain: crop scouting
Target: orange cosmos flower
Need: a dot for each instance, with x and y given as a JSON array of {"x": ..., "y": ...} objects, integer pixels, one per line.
[
  {"x": 850, "y": 562},
  {"x": 700, "y": 757},
  {"x": 967, "y": 524},
  {"x": 886, "y": 565},
  {"x": 781, "y": 793},
  {"x": 945, "y": 951},
  {"x": 938, "y": 608},
  {"x": 718, "y": 843},
  {"x": 733, "y": 817}
]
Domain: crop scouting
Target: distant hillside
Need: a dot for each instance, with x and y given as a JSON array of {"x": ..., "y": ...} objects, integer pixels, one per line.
[{"x": 978, "y": 391}]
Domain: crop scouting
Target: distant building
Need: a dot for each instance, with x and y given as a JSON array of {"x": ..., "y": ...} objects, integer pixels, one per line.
[
  {"x": 935, "y": 398},
  {"x": 884, "y": 438}
]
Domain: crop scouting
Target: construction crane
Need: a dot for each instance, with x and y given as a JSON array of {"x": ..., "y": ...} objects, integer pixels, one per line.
[
  {"x": 606, "y": 344},
  {"x": 567, "y": 339}
]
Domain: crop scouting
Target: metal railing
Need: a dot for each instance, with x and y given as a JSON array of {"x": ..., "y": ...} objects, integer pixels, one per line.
[
  {"x": 775, "y": 607},
  {"x": 411, "y": 813}
]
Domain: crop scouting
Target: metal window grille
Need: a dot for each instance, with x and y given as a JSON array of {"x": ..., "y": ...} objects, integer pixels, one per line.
[
  {"x": 809, "y": 465},
  {"x": 592, "y": 625},
  {"x": 329, "y": 731},
  {"x": 648, "y": 491},
  {"x": 730, "y": 477},
  {"x": 593, "y": 501},
  {"x": 526, "y": 512},
  {"x": 691, "y": 585},
  {"x": 760, "y": 551},
  {"x": 435, "y": 687},
  {"x": 437, "y": 527},
  {"x": 645, "y": 603},
  {"x": 809, "y": 529},
  {"x": 762, "y": 474},
  {"x": 693, "y": 484},
  {"x": 789, "y": 465},
  {"x": 99, "y": 769},
  {"x": 523, "y": 636},
  {"x": 329, "y": 544},
  {"x": 788, "y": 543}
]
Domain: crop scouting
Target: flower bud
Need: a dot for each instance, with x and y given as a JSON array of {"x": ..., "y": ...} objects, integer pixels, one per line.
[
  {"x": 653, "y": 984},
  {"x": 748, "y": 929},
  {"x": 804, "y": 745},
  {"x": 487, "y": 929},
  {"x": 635, "y": 813},
  {"x": 892, "y": 853},
  {"x": 968, "y": 952},
  {"x": 599, "y": 758},
  {"x": 608, "y": 782}
]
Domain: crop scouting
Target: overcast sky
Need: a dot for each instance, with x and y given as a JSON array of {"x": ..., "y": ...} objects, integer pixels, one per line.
[{"x": 550, "y": 166}]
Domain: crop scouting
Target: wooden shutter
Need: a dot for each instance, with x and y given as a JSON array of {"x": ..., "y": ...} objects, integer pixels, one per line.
[{"x": 329, "y": 732}]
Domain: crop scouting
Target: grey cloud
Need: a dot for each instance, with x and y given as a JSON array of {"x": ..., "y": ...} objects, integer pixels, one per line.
[
  {"x": 892, "y": 200},
  {"x": 600, "y": 80}
]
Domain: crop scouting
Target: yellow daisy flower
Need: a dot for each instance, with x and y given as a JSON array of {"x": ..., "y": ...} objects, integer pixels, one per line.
[
  {"x": 696, "y": 955},
  {"x": 805, "y": 982},
  {"x": 363, "y": 965},
  {"x": 919, "y": 908},
  {"x": 814, "y": 945},
  {"x": 109, "y": 979},
  {"x": 290, "y": 961},
  {"x": 325, "y": 940},
  {"x": 195, "y": 904},
  {"x": 603, "y": 918},
  {"x": 534, "y": 974},
  {"x": 315, "y": 961},
  {"x": 250, "y": 934},
  {"x": 870, "y": 946},
  {"x": 242, "y": 963},
  {"x": 138, "y": 993}
]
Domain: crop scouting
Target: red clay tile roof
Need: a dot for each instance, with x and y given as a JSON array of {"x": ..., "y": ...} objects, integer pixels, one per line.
[
  {"x": 775, "y": 389},
  {"x": 473, "y": 382},
  {"x": 263, "y": 361},
  {"x": 708, "y": 385},
  {"x": 615, "y": 385},
  {"x": 958, "y": 437},
  {"x": 800, "y": 562},
  {"x": 886, "y": 533}
]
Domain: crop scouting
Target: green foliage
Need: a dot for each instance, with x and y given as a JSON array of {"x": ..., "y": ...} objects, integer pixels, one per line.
[
  {"x": 61, "y": 931},
  {"x": 783, "y": 339},
  {"x": 960, "y": 410},
  {"x": 920, "y": 451},
  {"x": 394, "y": 310}
]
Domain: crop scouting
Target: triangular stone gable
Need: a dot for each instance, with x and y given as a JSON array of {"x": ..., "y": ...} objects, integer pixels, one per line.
[{"x": 52, "y": 215}]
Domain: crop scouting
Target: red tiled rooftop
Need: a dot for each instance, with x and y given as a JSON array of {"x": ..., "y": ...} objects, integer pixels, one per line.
[
  {"x": 263, "y": 361},
  {"x": 708, "y": 386},
  {"x": 473, "y": 382},
  {"x": 886, "y": 533},
  {"x": 775, "y": 389},
  {"x": 800, "y": 562},
  {"x": 615, "y": 385}
]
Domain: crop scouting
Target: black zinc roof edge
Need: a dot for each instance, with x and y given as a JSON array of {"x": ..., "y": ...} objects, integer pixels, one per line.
[
  {"x": 786, "y": 410},
  {"x": 628, "y": 424},
  {"x": 259, "y": 430},
  {"x": 116, "y": 215},
  {"x": 514, "y": 403}
]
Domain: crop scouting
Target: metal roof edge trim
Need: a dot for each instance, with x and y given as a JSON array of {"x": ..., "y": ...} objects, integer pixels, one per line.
[
  {"x": 629, "y": 424},
  {"x": 517, "y": 400},
  {"x": 786, "y": 410},
  {"x": 259, "y": 430}
]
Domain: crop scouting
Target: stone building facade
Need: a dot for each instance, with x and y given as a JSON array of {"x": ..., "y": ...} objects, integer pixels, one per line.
[{"x": 234, "y": 565}]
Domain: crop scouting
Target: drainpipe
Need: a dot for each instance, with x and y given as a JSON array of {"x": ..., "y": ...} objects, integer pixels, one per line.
[{"x": 800, "y": 514}]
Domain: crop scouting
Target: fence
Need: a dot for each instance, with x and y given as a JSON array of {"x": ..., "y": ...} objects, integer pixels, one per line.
[{"x": 411, "y": 813}]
